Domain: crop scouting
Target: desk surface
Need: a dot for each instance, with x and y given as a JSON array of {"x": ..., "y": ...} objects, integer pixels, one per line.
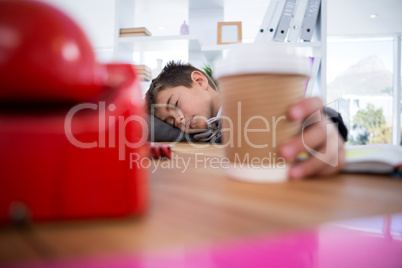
[{"x": 197, "y": 205}]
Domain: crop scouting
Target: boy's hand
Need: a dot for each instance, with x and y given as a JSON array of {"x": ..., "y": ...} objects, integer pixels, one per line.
[{"x": 321, "y": 138}]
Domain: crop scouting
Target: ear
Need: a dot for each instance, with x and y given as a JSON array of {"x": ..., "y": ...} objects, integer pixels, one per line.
[{"x": 199, "y": 79}]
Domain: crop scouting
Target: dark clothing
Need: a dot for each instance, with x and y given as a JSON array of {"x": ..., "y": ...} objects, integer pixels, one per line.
[
  {"x": 337, "y": 119},
  {"x": 159, "y": 131}
]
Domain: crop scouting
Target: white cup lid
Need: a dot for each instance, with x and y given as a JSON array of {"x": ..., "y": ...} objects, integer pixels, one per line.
[{"x": 273, "y": 57}]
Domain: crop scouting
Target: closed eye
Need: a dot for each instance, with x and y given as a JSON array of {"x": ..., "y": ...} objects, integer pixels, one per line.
[{"x": 177, "y": 103}]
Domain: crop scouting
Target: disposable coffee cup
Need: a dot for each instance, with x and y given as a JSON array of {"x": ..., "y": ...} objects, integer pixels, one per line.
[{"x": 259, "y": 83}]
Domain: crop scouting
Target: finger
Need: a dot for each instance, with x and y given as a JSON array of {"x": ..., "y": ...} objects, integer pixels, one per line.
[
  {"x": 341, "y": 162},
  {"x": 304, "y": 108},
  {"x": 312, "y": 137},
  {"x": 321, "y": 164},
  {"x": 305, "y": 168},
  {"x": 312, "y": 166}
]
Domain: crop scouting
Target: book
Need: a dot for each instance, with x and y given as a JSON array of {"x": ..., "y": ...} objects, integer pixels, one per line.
[
  {"x": 270, "y": 21},
  {"x": 284, "y": 22},
  {"x": 135, "y": 30},
  {"x": 310, "y": 19},
  {"x": 297, "y": 21},
  {"x": 132, "y": 34},
  {"x": 144, "y": 78},
  {"x": 142, "y": 68},
  {"x": 144, "y": 72},
  {"x": 140, "y": 31},
  {"x": 373, "y": 158}
]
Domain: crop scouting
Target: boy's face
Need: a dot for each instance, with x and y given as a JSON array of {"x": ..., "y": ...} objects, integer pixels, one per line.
[{"x": 184, "y": 108}]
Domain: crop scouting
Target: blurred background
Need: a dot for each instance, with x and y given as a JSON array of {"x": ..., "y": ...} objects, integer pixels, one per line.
[{"x": 359, "y": 48}]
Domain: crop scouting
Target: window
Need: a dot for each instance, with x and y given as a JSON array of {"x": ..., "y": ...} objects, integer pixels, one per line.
[{"x": 360, "y": 82}]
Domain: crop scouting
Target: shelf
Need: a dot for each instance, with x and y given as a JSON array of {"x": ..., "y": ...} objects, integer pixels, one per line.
[
  {"x": 191, "y": 43},
  {"x": 316, "y": 44},
  {"x": 212, "y": 53},
  {"x": 162, "y": 43}
]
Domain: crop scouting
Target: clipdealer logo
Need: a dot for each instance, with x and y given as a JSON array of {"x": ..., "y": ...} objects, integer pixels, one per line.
[
  {"x": 110, "y": 126},
  {"x": 331, "y": 154},
  {"x": 106, "y": 125},
  {"x": 267, "y": 125},
  {"x": 203, "y": 161}
]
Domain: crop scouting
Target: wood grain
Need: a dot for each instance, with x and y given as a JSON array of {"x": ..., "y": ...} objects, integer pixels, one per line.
[{"x": 199, "y": 205}]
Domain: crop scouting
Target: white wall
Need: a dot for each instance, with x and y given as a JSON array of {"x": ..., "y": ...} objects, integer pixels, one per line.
[
  {"x": 157, "y": 14},
  {"x": 352, "y": 17},
  {"x": 204, "y": 24},
  {"x": 96, "y": 18},
  {"x": 250, "y": 15}
]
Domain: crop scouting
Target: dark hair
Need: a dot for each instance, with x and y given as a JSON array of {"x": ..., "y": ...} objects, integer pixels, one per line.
[{"x": 174, "y": 74}]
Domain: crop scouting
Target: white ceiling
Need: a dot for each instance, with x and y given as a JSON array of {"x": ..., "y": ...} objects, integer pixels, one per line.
[{"x": 352, "y": 17}]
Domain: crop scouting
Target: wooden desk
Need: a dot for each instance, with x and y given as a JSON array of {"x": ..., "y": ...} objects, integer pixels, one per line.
[{"x": 199, "y": 205}]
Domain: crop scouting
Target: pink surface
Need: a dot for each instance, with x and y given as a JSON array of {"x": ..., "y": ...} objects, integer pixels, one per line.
[{"x": 371, "y": 242}]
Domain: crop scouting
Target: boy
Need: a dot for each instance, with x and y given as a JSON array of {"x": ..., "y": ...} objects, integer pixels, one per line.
[{"x": 186, "y": 98}]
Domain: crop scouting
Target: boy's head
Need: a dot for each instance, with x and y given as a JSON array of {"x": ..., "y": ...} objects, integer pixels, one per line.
[{"x": 183, "y": 96}]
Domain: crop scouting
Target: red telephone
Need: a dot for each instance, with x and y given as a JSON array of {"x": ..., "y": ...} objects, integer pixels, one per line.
[{"x": 70, "y": 128}]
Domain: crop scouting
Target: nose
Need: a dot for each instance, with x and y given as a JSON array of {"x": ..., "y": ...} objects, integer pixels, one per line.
[{"x": 179, "y": 120}]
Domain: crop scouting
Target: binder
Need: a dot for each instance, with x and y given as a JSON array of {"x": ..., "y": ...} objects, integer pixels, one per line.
[
  {"x": 284, "y": 22},
  {"x": 310, "y": 19},
  {"x": 297, "y": 21},
  {"x": 270, "y": 21},
  {"x": 315, "y": 68}
]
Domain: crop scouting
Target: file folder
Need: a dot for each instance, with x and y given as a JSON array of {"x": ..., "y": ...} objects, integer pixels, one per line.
[
  {"x": 271, "y": 20},
  {"x": 310, "y": 19},
  {"x": 297, "y": 21},
  {"x": 284, "y": 22}
]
